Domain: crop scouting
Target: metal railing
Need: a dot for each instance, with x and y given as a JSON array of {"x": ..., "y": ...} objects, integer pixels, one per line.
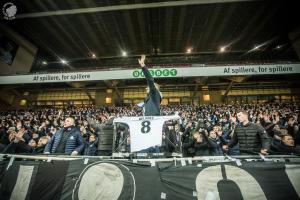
[{"x": 158, "y": 157}]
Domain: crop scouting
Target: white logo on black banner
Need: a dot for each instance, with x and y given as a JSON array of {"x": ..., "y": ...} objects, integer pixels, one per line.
[{"x": 9, "y": 11}]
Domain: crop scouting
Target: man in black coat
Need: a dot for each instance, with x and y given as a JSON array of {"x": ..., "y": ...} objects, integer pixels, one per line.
[
  {"x": 251, "y": 137},
  {"x": 154, "y": 96}
]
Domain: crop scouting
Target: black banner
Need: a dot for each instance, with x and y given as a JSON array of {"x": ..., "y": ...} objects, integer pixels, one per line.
[{"x": 108, "y": 179}]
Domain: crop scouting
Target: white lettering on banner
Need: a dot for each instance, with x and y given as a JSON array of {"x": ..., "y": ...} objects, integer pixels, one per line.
[
  {"x": 206, "y": 184},
  {"x": 293, "y": 173},
  {"x": 249, "y": 187},
  {"x": 21, "y": 188},
  {"x": 61, "y": 77},
  {"x": 257, "y": 70},
  {"x": 157, "y": 73},
  {"x": 146, "y": 118}
]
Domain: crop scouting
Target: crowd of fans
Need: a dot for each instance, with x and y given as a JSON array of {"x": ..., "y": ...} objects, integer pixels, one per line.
[{"x": 201, "y": 130}]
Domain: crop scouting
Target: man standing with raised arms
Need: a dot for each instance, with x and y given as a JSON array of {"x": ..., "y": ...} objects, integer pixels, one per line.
[{"x": 146, "y": 132}]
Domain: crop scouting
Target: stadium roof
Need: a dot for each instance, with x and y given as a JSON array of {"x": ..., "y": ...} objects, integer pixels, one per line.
[{"x": 75, "y": 30}]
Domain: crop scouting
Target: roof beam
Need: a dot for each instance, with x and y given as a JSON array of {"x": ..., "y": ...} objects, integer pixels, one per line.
[
  {"x": 200, "y": 81},
  {"x": 113, "y": 84},
  {"x": 88, "y": 94},
  {"x": 81, "y": 85},
  {"x": 125, "y": 7},
  {"x": 228, "y": 88}
]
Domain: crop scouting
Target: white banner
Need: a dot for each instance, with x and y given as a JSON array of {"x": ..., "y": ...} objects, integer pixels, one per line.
[
  {"x": 157, "y": 73},
  {"x": 145, "y": 131}
]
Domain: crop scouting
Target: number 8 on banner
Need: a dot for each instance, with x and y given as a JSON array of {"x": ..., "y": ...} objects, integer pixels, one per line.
[{"x": 145, "y": 127}]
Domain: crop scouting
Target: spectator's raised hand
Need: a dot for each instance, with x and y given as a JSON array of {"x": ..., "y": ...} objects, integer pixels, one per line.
[
  {"x": 85, "y": 123},
  {"x": 233, "y": 119},
  {"x": 189, "y": 125},
  {"x": 266, "y": 118},
  {"x": 59, "y": 113},
  {"x": 296, "y": 118},
  {"x": 74, "y": 153},
  {"x": 264, "y": 152},
  {"x": 225, "y": 147},
  {"x": 42, "y": 126},
  {"x": 276, "y": 120},
  {"x": 291, "y": 121},
  {"x": 19, "y": 135},
  {"x": 142, "y": 60}
]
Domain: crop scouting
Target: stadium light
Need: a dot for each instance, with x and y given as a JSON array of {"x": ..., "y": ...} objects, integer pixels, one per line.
[
  {"x": 257, "y": 47},
  {"x": 63, "y": 61},
  {"x": 222, "y": 49},
  {"x": 44, "y": 62},
  {"x": 189, "y": 50},
  {"x": 124, "y": 53}
]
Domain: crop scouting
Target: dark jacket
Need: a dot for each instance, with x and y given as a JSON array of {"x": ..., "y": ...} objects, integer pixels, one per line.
[
  {"x": 190, "y": 147},
  {"x": 170, "y": 141},
  {"x": 18, "y": 147},
  {"x": 21, "y": 147},
  {"x": 73, "y": 143},
  {"x": 185, "y": 139},
  {"x": 195, "y": 148},
  {"x": 215, "y": 146},
  {"x": 281, "y": 148},
  {"x": 251, "y": 138},
  {"x": 235, "y": 150},
  {"x": 152, "y": 101},
  {"x": 91, "y": 148}
]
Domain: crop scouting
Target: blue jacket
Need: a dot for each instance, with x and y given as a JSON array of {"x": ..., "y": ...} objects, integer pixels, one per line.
[
  {"x": 152, "y": 101},
  {"x": 215, "y": 145},
  {"x": 73, "y": 143}
]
